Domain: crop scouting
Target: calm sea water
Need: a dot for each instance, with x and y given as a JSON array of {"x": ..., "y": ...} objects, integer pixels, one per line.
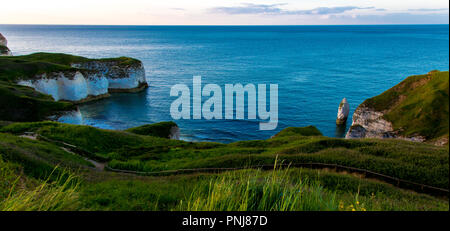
[{"x": 314, "y": 66}]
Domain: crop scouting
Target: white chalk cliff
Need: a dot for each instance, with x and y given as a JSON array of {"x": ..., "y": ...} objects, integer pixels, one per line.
[
  {"x": 119, "y": 77},
  {"x": 92, "y": 79}
]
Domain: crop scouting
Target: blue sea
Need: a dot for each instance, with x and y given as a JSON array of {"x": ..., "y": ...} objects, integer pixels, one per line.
[{"x": 314, "y": 67}]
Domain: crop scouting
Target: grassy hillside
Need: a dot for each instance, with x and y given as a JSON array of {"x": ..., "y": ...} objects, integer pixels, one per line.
[
  {"x": 19, "y": 103},
  {"x": 421, "y": 163},
  {"x": 289, "y": 189},
  {"x": 20, "y": 192},
  {"x": 159, "y": 129},
  {"x": 417, "y": 106}
]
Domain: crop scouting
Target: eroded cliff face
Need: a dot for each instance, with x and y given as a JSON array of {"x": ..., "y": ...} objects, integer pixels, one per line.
[
  {"x": 90, "y": 80},
  {"x": 119, "y": 76},
  {"x": 73, "y": 86},
  {"x": 368, "y": 123}
]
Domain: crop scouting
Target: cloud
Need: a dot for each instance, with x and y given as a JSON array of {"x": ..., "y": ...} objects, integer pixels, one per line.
[
  {"x": 428, "y": 10},
  {"x": 249, "y": 9},
  {"x": 274, "y": 9},
  {"x": 393, "y": 18},
  {"x": 329, "y": 10}
]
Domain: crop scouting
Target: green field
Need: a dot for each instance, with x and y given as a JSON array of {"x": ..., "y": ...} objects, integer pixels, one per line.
[{"x": 279, "y": 189}]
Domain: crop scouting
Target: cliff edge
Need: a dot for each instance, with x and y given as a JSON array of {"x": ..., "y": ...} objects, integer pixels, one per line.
[{"x": 416, "y": 109}]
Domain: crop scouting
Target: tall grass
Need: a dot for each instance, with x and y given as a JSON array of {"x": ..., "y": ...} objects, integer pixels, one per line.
[
  {"x": 255, "y": 191},
  {"x": 49, "y": 195}
]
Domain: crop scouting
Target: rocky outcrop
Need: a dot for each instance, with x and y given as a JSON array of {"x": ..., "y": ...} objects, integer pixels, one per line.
[
  {"x": 89, "y": 80},
  {"x": 4, "y": 50},
  {"x": 368, "y": 123},
  {"x": 343, "y": 111}
]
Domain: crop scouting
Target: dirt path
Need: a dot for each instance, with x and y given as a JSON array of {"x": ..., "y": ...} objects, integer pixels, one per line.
[{"x": 98, "y": 166}]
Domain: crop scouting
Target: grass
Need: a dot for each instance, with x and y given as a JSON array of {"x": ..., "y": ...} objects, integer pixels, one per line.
[
  {"x": 162, "y": 129},
  {"x": 48, "y": 195},
  {"x": 241, "y": 191},
  {"x": 19, "y": 103},
  {"x": 417, "y": 162},
  {"x": 293, "y": 189},
  {"x": 38, "y": 158},
  {"x": 417, "y": 106},
  {"x": 13, "y": 68}
]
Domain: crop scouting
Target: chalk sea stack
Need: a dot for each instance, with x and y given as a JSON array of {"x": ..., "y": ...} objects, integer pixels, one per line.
[
  {"x": 343, "y": 112},
  {"x": 4, "y": 50}
]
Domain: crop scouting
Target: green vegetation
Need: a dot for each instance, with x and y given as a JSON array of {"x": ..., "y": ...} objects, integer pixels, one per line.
[
  {"x": 300, "y": 190},
  {"x": 3, "y": 49},
  {"x": 241, "y": 191},
  {"x": 305, "y": 131},
  {"x": 19, "y": 103},
  {"x": 289, "y": 189},
  {"x": 417, "y": 162},
  {"x": 417, "y": 106},
  {"x": 21, "y": 193},
  {"x": 162, "y": 129},
  {"x": 13, "y": 68},
  {"x": 37, "y": 158}
]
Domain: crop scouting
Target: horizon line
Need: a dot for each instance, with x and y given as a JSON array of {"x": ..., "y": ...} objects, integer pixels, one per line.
[{"x": 386, "y": 24}]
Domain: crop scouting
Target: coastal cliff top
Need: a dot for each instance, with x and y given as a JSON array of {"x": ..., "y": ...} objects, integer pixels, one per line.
[
  {"x": 28, "y": 66},
  {"x": 418, "y": 105}
]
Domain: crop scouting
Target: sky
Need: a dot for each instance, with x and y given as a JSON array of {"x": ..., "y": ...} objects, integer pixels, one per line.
[{"x": 225, "y": 12}]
